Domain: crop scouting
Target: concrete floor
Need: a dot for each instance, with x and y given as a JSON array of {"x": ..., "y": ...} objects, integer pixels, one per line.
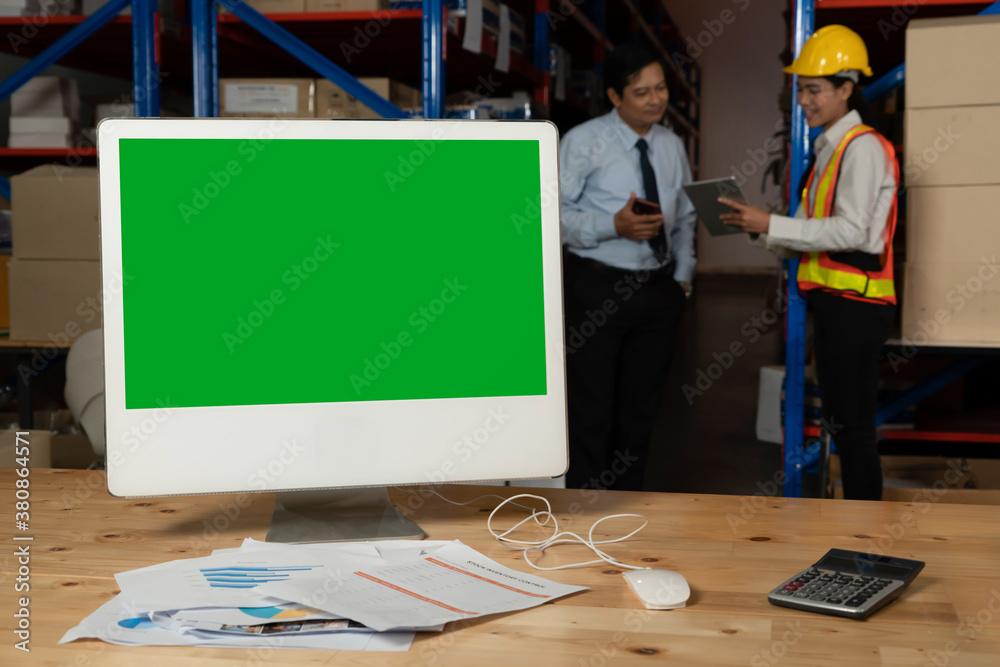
[{"x": 705, "y": 442}]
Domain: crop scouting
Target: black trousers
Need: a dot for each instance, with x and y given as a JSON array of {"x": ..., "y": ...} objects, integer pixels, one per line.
[
  {"x": 620, "y": 333},
  {"x": 849, "y": 335}
]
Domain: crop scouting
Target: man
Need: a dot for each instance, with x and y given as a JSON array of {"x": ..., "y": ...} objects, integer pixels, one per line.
[{"x": 626, "y": 273}]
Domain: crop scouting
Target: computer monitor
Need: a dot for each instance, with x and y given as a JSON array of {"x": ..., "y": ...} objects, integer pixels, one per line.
[{"x": 304, "y": 305}]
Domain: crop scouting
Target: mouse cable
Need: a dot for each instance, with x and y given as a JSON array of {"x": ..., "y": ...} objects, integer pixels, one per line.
[{"x": 542, "y": 518}]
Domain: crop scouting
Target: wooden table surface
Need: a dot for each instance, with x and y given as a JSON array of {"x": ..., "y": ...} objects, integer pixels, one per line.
[{"x": 731, "y": 549}]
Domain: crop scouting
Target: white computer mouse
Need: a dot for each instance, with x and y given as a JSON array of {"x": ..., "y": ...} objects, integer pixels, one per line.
[{"x": 659, "y": 589}]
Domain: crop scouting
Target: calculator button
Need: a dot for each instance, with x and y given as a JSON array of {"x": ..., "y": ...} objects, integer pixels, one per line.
[
  {"x": 867, "y": 579},
  {"x": 784, "y": 592},
  {"x": 801, "y": 595},
  {"x": 855, "y": 602},
  {"x": 790, "y": 587},
  {"x": 835, "y": 600}
]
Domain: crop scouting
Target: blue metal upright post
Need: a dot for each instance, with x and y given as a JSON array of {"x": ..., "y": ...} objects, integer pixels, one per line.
[
  {"x": 795, "y": 319},
  {"x": 145, "y": 59},
  {"x": 204, "y": 58},
  {"x": 433, "y": 58},
  {"x": 542, "y": 37},
  {"x": 597, "y": 12},
  {"x": 886, "y": 83}
]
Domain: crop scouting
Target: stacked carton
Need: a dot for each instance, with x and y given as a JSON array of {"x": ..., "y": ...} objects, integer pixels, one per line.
[
  {"x": 314, "y": 6},
  {"x": 332, "y": 101},
  {"x": 307, "y": 98},
  {"x": 267, "y": 98},
  {"x": 952, "y": 287},
  {"x": 55, "y": 283},
  {"x": 165, "y": 8},
  {"x": 45, "y": 113}
]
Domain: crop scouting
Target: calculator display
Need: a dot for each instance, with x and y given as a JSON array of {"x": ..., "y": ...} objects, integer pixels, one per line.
[{"x": 864, "y": 566}]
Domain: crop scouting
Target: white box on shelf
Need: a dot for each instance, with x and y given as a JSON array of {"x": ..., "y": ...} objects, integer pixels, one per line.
[
  {"x": 113, "y": 110},
  {"x": 40, "y": 140},
  {"x": 41, "y": 124}
]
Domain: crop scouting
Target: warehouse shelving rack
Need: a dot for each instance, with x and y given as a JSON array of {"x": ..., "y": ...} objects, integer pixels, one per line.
[
  {"x": 797, "y": 458},
  {"x": 298, "y": 34}
]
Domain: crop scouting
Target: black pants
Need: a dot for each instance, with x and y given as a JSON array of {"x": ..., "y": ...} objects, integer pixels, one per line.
[
  {"x": 620, "y": 333},
  {"x": 849, "y": 335}
]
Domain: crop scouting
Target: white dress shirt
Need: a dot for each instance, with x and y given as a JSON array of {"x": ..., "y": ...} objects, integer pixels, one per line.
[
  {"x": 865, "y": 191},
  {"x": 599, "y": 167}
]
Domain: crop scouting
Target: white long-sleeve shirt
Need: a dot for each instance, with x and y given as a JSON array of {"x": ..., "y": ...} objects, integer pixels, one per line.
[{"x": 866, "y": 188}]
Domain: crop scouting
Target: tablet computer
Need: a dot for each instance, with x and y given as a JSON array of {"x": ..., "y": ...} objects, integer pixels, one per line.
[{"x": 705, "y": 197}]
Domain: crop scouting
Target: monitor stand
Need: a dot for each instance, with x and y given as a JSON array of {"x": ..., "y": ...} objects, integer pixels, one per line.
[{"x": 341, "y": 515}]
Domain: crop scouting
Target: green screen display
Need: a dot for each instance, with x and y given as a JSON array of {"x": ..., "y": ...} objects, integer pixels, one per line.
[{"x": 304, "y": 271}]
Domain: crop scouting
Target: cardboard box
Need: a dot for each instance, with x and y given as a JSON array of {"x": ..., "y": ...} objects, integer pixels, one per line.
[
  {"x": 118, "y": 109},
  {"x": 39, "y": 446},
  {"x": 952, "y": 146},
  {"x": 332, "y": 101},
  {"x": 952, "y": 61},
  {"x": 72, "y": 450},
  {"x": 951, "y": 473},
  {"x": 953, "y": 303},
  {"x": 46, "y": 449},
  {"x": 165, "y": 8},
  {"x": 54, "y": 299},
  {"x": 951, "y": 224},
  {"x": 56, "y": 214},
  {"x": 346, "y": 5},
  {"x": 269, "y": 98},
  {"x": 274, "y": 6}
]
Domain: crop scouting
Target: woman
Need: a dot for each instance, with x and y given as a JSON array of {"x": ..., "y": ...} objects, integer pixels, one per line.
[{"x": 843, "y": 228}]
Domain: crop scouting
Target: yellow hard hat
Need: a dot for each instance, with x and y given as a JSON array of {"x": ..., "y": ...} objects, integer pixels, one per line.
[{"x": 831, "y": 49}]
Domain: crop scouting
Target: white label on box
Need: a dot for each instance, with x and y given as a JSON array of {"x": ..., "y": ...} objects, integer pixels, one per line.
[
  {"x": 261, "y": 98},
  {"x": 473, "y": 39}
]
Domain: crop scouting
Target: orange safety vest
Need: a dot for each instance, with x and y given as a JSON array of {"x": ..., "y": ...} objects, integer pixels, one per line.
[{"x": 817, "y": 270}]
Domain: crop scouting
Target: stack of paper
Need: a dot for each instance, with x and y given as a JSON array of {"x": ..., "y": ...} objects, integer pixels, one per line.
[
  {"x": 348, "y": 596},
  {"x": 45, "y": 113}
]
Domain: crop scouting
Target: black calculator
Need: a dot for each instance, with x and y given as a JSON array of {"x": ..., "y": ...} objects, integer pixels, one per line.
[{"x": 847, "y": 583}]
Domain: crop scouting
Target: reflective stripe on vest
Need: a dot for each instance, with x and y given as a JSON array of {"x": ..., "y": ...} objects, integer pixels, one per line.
[{"x": 817, "y": 269}]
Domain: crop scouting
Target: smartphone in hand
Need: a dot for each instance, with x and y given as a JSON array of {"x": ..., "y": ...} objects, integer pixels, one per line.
[{"x": 645, "y": 207}]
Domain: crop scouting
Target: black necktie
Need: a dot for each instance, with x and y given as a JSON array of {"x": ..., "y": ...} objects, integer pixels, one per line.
[{"x": 659, "y": 242}]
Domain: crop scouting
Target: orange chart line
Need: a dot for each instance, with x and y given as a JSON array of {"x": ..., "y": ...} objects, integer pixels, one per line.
[
  {"x": 489, "y": 581},
  {"x": 415, "y": 595}
]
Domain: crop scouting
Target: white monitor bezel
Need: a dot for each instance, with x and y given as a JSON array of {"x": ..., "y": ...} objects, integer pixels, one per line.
[{"x": 180, "y": 451}]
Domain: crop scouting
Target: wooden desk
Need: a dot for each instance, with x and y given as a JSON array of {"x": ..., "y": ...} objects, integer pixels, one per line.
[{"x": 731, "y": 549}]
